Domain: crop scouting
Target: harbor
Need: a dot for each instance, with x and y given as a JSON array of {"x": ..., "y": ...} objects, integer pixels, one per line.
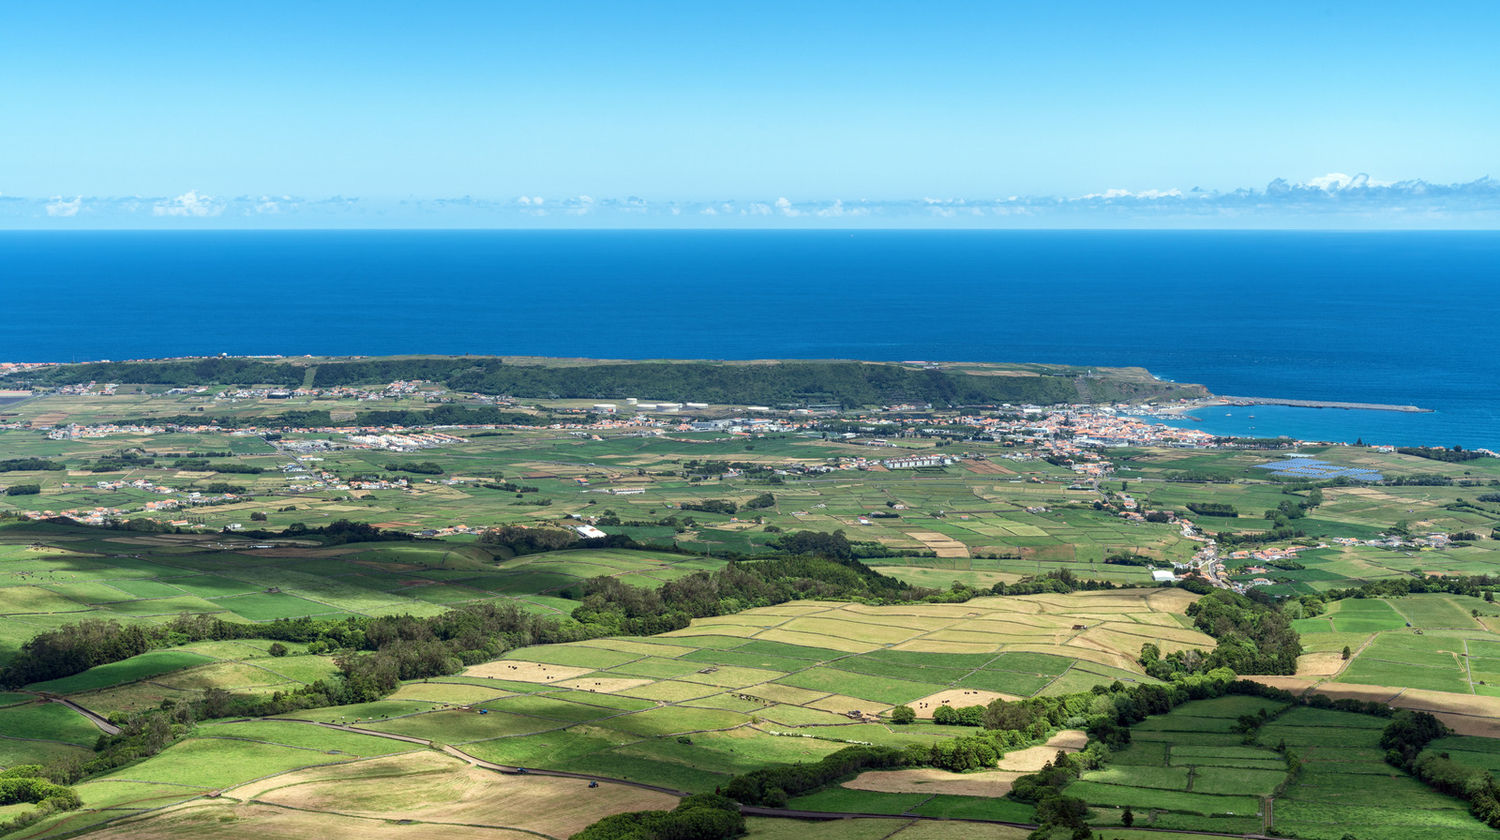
[{"x": 1357, "y": 406}]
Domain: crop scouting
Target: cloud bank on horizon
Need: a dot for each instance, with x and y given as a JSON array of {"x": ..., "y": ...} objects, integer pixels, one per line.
[{"x": 1333, "y": 200}]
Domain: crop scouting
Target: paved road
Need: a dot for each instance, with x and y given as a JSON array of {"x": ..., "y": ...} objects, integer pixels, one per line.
[{"x": 93, "y": 717}]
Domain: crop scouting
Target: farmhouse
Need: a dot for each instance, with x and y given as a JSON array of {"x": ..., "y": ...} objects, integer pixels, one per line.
[{"x": 589, "y": 532}]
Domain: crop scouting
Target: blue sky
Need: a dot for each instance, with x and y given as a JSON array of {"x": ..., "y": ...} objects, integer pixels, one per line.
[{"x": 709, "y": 102}]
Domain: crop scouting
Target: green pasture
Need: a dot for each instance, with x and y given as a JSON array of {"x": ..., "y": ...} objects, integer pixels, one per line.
[
  {"x": 1429, "y": 641},
  {"x": 32, "y": 731},
  {"x": 1185, "y": 770},
  {"x": 136, "y": 668},
  {"x": 42, "y": 721},
  {"x": 222, "y": 762},
  {"x": 1345, "y": 783},
  {"x": 1173, "y": 780}
]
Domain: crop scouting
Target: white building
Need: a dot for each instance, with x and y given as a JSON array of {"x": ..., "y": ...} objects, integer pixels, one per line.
[{"x": 912, "y": 462}]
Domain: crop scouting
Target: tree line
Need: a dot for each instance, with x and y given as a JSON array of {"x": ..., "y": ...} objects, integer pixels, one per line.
[
  {"x": 29, "y": 465},
  {"x": 313, "y": 418},
  {"x": 1452, "y": 455},
  {"x": 1213, "y": 509},
  {"x": 27, "y": 784}
]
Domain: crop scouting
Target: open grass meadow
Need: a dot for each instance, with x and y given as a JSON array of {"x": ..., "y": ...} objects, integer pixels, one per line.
[
  {"x": 33, "y": 730},
  {"x": 151, "y": 664},
  {"x": 1428, "y": 642},
  {"x": 46, "y": 724}
]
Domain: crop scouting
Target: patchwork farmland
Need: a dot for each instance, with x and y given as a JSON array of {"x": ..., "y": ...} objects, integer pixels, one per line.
[
  {"x": 1190, "y": 770},
  {"x": 451, "y": 709},
  {"x": 682, "y": 710}
]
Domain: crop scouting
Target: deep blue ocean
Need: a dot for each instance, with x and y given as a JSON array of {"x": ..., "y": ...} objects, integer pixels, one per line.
[{"x": 1404, "y": 318}]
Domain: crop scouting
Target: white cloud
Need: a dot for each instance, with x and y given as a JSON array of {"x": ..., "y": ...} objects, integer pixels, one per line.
[
  {"x": 1335, "y": 196},
  {"x": 1335, "y": 181},
  {"x": 1331, "y": 181},
  {"x": 189, "y": 204},
  {"x": 64, "y": 209},
  {"x": 1110, "y": 194},
  {"x": 270, "y": 205}
]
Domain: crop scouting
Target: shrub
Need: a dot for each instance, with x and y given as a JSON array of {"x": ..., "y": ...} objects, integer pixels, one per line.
[{"x": 705, "y": 816}]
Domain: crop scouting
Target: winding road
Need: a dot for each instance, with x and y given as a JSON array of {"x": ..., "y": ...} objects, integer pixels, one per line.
[{"x": 93, "y": 717}]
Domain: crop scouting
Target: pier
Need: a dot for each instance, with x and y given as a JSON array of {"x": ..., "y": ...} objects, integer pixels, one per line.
[{"x": 1409, "y": 409}]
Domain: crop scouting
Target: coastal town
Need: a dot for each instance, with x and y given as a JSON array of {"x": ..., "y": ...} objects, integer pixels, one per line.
[{"x": 1076, "y": 448}]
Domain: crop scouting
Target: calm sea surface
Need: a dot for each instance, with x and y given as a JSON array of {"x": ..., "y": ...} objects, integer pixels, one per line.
[{"x": 1407, "y": 318}]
